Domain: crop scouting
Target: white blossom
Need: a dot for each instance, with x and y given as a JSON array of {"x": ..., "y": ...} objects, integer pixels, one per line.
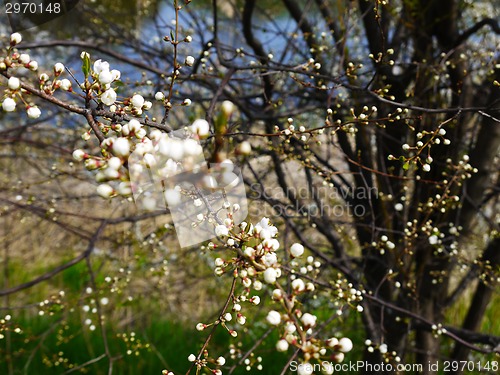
[
  {"x": 345, "y": 344},
  {"x": 115, "y": 74},
  {"x": 65, "y": 84},
  {"x": 308, "y": 320},
  {"x": 137, "y": 101},
  {"x": 255, "y": 300},
  {"x": 270, "y": 259},
  {"x": 298, "y": 285},
  {"x": 108, "y": 97},
  {"x": 296, "y": 250},
  {"x": 105, "y": 77},
  {"x": 114, "y": 163},
  {"x": 159, "y": 96},
  {"x": 78, "y": 155},
  {"x": 270, "y": 275},
  {"x": 24, "y": 58},
  {"x": 282, "y": 345},
  {"x": 9, "y": 105},
  {"x": 273, "y": 317},
  {"x": 33, "y": 112},
  {"x": 200, "y": 127},
  {"x": 124, "y": 188},
  {"x": 277, "y": 294},
  {"x": 33, "y": 65},
  {"x": 382, "y": 348},
  {"x": 121, "y": 147},
  {"x": 58, "y": 68},
  {"x": 134, "y": 125},
  {"x": 227, "y": 107},
  {"x": 15, "y": 39},
  {"x": 100, "y": 66},
  {"x": 221, "y": 361},
  {"x": 221, "y": 230},
  {"x": 189, "y": 61},
  {"x": 304, "y": 369},
  {"x": 244, "y": 148},
  {"x": 14, "y": 83},
  {"x": 332, "y": 342},
  {"x": 104, "y": 190}
]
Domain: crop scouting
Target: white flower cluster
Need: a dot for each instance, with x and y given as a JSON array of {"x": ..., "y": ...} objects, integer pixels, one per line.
[
  {"x": 14, "y": 61},
  {"x": 256, "y": 261},
  {"x": 103, "y": 78}
]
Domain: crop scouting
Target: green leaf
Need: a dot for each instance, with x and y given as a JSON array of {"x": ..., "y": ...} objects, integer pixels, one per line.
[
  {"x": 406, "y": 166},
  {"x": 86, "y": 65}
]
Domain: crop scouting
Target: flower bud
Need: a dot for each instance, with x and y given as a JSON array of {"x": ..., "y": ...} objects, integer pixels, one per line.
[
  {"x": 15, "y": 39},
  {"x": 9, "y": 105},
  {"x": 273, "y": 318},
  {"x": 24, "y": 58},
  {"x": 296, "y": 250},
  {"x": 137, "y": 101},
  {"x": 221, "y": 361},
  {"x": 100, "y": 66},
  {"x": 121, "y": 147},
  {"x": 79, "y": 155},
  {"x": 298, "y": 285},
  {"x": 14, "y": 83},
  {"x": 282, "y": 345},
  {"x": 65, "y": 84},
  {"x": 33, "y": 112},
  {"x": 115, "y": 74},
  {"x": 124, "y": 188},
  {"x": 58, "y": 68},
  {"x": 244, "y": 148},
  {"x": 221, "y": 230},
  {"x": 159, "y": 96},
  {"x": 104, "y": 190},
  {"x": 308, "y": 320},
  {"x": 201, "y": 127},
  {"x": 227, "y": 107},
  {"x": 105, "y": 77},
  {"x": 108, "y": 97},
  {"x": 345, "y": 344},
  {"x": 304, "y": 369},
  {"x": 270, "y": 275},
  {"x": 33, "y": 65},
  {"x": 255, "y": 300},
  {"x": 189, "y": 61}
]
